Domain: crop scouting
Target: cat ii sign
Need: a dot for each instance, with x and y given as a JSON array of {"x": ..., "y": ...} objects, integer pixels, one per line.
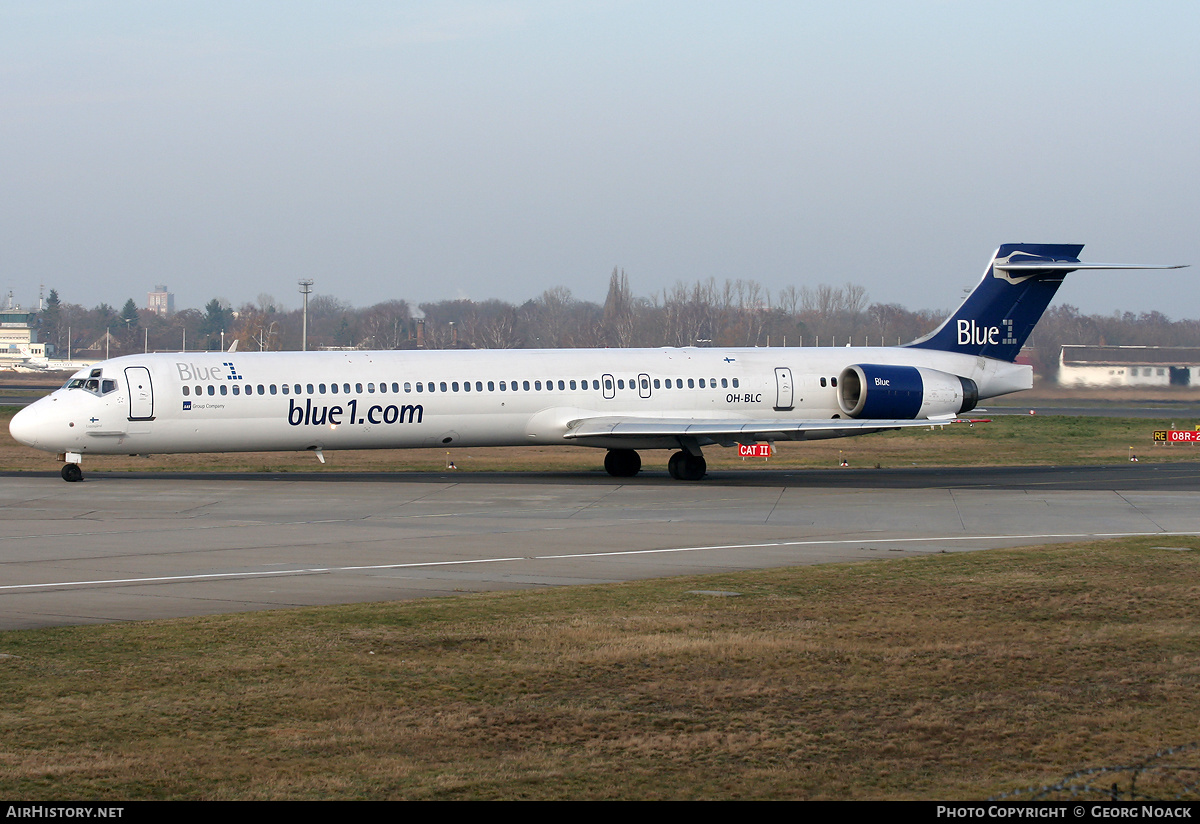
[{"x": 754, "y": 450}]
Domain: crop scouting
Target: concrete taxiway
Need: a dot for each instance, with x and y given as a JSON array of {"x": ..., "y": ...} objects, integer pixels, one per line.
[{"x": 122, "y": 547}]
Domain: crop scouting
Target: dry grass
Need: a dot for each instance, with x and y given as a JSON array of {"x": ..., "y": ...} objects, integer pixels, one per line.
[{"x": 951, "y": 676}]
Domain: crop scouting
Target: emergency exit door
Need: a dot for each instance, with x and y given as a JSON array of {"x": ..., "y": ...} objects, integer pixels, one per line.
[{"x": 783, "y": 389}]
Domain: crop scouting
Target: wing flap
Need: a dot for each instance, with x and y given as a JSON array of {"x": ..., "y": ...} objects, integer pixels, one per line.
[{"x": 733, "y": 429}]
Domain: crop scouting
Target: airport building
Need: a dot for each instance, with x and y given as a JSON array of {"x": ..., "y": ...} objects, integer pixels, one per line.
[
  {"x": 1145, "y": 366},
  {"x": 21, "y": 351},
  {"x": 18, "y": 338}
]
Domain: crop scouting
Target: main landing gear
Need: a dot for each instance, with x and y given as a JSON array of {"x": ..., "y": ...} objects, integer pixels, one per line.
[
  {"x": 622, "y": 463},
  {"x": 683, "y": 466}
]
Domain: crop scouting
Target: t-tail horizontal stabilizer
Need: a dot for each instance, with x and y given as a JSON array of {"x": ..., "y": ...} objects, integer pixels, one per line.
[{"x": 1020, "y": 280}]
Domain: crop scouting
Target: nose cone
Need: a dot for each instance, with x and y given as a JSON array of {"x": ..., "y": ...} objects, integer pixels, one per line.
[{"x": 24, "y": 427}]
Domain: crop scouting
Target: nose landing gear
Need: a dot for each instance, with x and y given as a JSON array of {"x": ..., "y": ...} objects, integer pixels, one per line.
[{"x": 71, "y": 471}]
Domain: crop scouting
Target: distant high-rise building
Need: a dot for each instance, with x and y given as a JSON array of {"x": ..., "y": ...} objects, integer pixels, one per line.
[{"x": 160, "y": 301}]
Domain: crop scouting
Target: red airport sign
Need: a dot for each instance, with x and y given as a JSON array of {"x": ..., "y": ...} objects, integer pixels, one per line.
[
  {"x": 754, "y": 450},
  {"x": 1176, "y": 436}
]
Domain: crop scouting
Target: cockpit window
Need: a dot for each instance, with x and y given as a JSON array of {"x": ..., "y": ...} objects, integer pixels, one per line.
[{"x": 93, "y": 383}]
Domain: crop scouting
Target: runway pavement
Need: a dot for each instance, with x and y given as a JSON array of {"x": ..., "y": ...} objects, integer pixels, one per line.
[{"x": 123, "y": 546}]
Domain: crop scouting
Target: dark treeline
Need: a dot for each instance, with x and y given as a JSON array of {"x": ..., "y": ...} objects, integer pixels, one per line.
[{"x": 705, "y": 313}]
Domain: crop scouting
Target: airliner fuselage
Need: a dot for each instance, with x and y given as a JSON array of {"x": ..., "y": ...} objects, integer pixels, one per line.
[{"x": 193, "y": 402}]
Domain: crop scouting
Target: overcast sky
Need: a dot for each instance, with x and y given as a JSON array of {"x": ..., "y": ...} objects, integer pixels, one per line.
[{"x": 429, "y": 150}]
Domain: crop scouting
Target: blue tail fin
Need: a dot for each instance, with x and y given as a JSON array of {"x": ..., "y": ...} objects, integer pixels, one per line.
[{"x": 995, "y": 320}]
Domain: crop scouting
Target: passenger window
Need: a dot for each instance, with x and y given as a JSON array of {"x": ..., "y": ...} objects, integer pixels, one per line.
[
  {"x": 525, "y": 385},
  {"x": 262, "y": 390},
  {"x": 186, "y": 391},
  {"x": 284, "y": 387},
  {"x": 572, "y": 384},
  {"x": 608, "y": 384},
  {"x": 224, "y": 389},
  {"x": 478, "y": 386},
  {"x": 211, "y": 390},
  {"x": 656, "y": 383},
  {"x": 407, "y": 386},
  {"x": 466, "y": 386},
  {"x": 358, "y": 387},
  {"x": 735, "y": 383},
  {"x": 273, "y": 389},
  {"x": 492, "y": 386},
  {"x": 453, "y": 386},
  {"x": 691, "y": 383},
  {"x": 310, "y": 389},
  {"x": 321, "y": 387},
  {"x": 420, "y": 387},
  {"x": 724, "y": 383},
  {"x": 822, "y": 381},
  {"x": 537, "y": 385},
  {"x": 333, "y": 387},
  {"x": 833, "y": 381},
  {"x": 396, "y": 388},
  {"x": 236, "y": 391},
  {"x": 702, "y": 383},
  {"x": 371, "y": 388}
]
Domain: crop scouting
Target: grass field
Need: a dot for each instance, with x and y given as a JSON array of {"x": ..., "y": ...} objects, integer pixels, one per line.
[{"x": 952, "y": 676}]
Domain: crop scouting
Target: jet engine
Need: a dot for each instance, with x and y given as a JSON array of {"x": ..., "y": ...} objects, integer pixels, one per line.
[{"x": 903, "y": 392}]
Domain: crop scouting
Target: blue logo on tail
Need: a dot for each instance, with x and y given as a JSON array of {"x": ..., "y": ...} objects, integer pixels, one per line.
[{"x": 996, "y": 319}]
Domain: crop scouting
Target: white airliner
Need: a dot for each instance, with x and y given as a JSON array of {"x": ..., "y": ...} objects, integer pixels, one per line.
[{"x": 621, "y": 400}]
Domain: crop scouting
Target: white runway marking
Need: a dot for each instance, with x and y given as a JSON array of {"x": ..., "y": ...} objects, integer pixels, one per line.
[{"x": 576, "y": 556}]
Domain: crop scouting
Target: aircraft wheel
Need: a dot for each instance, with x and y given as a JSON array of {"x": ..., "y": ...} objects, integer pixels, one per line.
[
  {"x": 72, "y": 473},
  {"x": 673, "y": 465},
  {"x": 694, "y": 467},
  {"x": 685, "y": 467},
  {"x": 622, "y": 463}
]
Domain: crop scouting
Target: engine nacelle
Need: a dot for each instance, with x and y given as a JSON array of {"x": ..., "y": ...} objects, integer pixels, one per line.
[{"x": 903, "y": 392}]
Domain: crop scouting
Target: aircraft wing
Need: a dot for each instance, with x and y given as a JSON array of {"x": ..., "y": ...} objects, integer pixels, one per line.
[{"x": 738, "y": 430}]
